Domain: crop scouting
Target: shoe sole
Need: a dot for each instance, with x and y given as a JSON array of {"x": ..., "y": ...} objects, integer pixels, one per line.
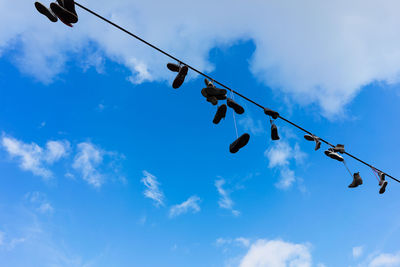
[
  {"x": 173, "y": 67},
  {"x": 383, "y": 188},
  {"x": 221, "y": 113},
  {"x": 239, "y": 143},
  {"x": 180, "y": 78},
  {"x": 64, "y": 15},
  {"x": 45, "y": 11},
  {"x": 235, "y": 106}
]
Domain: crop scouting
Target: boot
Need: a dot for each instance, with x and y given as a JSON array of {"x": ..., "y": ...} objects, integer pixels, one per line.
[
  {"x": 383, "y": 187},
  {"x": 339, "y": 148},
  {"x": 357, "y": 180}
]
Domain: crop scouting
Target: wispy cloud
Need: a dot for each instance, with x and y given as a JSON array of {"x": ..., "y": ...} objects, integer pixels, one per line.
[
  {"x": 153, "y": 190},
  {"x": 277, "y": 253},
  {"x": 357, "y": 252},
  {"x": 32, "y": 157},
  {"x": 280, "y": 156},
  {"x": 225, "y": 201},
  {"x": 241, "y": 241},
  {"x": 190, "y": 205},
  {"x": 40, "y": 202},
  {"x": 255, "y": 127},
  {"x": 86, "y": 161}
]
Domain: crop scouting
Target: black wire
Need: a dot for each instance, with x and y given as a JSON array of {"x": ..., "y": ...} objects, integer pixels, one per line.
[{"x": 223, "y": 85}]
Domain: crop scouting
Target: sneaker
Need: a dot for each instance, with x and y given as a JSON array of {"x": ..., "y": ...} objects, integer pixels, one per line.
[
  {"x": 382, "y": 178},
  {"x": 69, "y": 5},
  {"x": 180, "y": 78},
  {"x": 274, "y": 132},
  {"x": 339, "y": 148},
  {"x": 208, "y": 83},
  {"x": 173, "y": 67},
  {"x": 213, "y": 100},
  {"x": 357, "y": 180},
  {"x": 239, "y": 143},
  {"x": 333, "y": 155},
  {"x": 221, "y": 113},
  {"x": 383, "y": 187},
  {"x": 309, "y": 137},
  {"x": 235, "y": 106},
  {"x": 64, "y": 15},
  {"x": 317, "y": 144},
  {"x": 271, "y": 113},
  {"x": 45, "y": 11}
]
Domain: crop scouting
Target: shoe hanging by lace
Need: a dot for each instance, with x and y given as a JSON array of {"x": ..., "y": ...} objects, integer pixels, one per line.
[{"x": 223, "y": 85}]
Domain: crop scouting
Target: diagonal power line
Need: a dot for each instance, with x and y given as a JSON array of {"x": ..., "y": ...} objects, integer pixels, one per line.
[{"x": 223, "y": 85}]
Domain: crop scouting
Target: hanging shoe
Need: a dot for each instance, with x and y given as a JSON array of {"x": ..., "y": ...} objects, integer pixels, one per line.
[
  {"x": 381, "y": 178},
  {"x": 333, "y": 155},
  {"x": 221, "y": 113},
  {"x": 64, "y": 15},
  {"x": 69, "y": 5},
  {"x": 274, "y": 132},
  {"x": 45, "y": 11},
  {"x": 383, "y": 187},
  {"x": 314, "y": 138},
  {"x": 357, "y": 180},
  {"x": 173, "y": 67},
  {"x": 309, "y": 137},
  {"x": 317, "y": 144},
  {"x": 208, "y": 83},
  {"x": 180, "y": 78},
  {"x": 271, "y": 113},
  {"x": 339, "y": 148},
  {"x": 213, "y": 100},
  {"x": 235, "y": 106},
  {"x": 239, "y": 143},
  {"x": 213, "y": 91}
]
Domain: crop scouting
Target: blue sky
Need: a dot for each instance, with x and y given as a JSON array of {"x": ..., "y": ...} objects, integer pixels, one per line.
[{"x": 104, "y": 164}]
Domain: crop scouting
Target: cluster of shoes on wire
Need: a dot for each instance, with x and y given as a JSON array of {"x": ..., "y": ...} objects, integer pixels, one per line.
[
  {"x": 213, "y": 95},
  {"x": 334, "y": 153},
  {"x": 62, "y": 9}
]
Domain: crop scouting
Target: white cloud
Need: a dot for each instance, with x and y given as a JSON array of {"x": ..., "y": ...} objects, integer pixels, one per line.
[
  {"x": 153, "y": 190},
  {"x": 326, "y": 63},
  {"x": 225, "y": 201},
  {"x": 87, "y": 160},
  {"x": 385, "y": 260},
  {"x": 357, "y": 252},
  {"x": 280, "y": 156},
  {"x": 192, "y": 204},
  {"x": 32, "y": 157},
  {"x": 277, "y": 253},
  {"x": 252, "y": 126}
]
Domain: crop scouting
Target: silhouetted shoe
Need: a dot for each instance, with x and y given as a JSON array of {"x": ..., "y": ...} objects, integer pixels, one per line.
[
  {"x": 317, "y": 144},
  {"x": 381, "y": 178},
  {"x": 213, "y": 100},
  {"x": 45, "y": 11},
  {"x": 274, "y": 132},
  {"x": 180, "y": 78},
  {"x": 221, "y": 113},
  {"x": 333, "y": 155},
  {"x": 314, "y": 138},
  {"x": 173, "y": 67},
  {"x": 239, "y": 143},
  {"x": 212, "y": 91},
  {"x": 271, "y": 113},
  {"x": 309, "y": 137},
  {"x": 235, "y": 106},
  {"x": 383, "y": 187},
  {"x": 69, "y": 5},
  {"x": 356, "y": 180},
  {"x": 339, "y": 148},
  {"x": 64, "y": 15}
]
